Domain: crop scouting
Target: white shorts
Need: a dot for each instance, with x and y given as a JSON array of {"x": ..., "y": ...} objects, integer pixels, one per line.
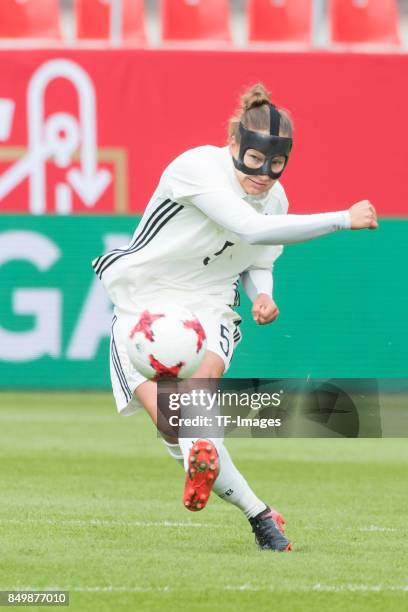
[{"x": 221, "y": 325}]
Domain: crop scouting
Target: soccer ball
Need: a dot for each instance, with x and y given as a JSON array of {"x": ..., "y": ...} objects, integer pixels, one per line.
[{"x": 166, "y": 342}]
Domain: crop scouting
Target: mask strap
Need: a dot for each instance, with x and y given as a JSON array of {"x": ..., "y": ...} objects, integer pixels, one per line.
[{"x": 275, "y": 120}]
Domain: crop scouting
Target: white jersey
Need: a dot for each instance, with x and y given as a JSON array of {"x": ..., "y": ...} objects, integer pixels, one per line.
[{"x": 178, "y": 251}]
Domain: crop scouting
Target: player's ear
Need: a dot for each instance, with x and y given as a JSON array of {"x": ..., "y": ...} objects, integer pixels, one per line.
[{"x": 233, "y": 146}]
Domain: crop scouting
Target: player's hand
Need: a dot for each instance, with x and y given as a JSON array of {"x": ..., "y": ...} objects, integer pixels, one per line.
[
  {"x": 363, "y": 215},
  {"x": 264, "y": 309}
]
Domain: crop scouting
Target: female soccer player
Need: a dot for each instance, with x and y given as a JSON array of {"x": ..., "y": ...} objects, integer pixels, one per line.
[{"x": 218, "y": 215}]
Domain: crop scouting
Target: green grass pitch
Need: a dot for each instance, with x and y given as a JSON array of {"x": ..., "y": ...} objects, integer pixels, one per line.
[{"x": 91, "y": 503}]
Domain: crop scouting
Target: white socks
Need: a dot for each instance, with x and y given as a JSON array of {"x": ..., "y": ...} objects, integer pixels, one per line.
[
  {"x": 174, "y": 451},
  {"x": 230, "y": 485}
]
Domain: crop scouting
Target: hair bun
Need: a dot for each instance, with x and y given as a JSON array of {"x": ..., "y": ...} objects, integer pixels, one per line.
[
  {"x": 255, "y": 96},
  {"x": 254, "y": 114}
]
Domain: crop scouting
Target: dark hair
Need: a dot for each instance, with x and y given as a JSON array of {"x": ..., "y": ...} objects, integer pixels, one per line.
[{"x": 254, "y": 114}]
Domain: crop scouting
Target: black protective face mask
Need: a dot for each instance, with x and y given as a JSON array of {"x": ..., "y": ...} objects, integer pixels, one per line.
[{"x": 270, "y": 145}]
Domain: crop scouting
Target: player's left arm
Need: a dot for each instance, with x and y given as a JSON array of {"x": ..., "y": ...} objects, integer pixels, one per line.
[
  {"x": 258, "y": 285},
  {"x": 257, "y": 280}
]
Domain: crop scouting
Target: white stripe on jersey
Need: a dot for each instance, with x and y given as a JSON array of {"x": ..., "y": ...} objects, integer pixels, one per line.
[{"x": 154, "y": 223}]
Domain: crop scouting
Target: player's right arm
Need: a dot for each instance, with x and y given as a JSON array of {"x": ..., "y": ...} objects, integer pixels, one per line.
[
  {"x": 231, "y": 212},
  {"x": 197, "y": 178}
]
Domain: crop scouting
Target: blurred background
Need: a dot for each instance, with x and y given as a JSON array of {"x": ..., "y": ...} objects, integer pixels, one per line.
[
  {"x": 323, "y": 12},
  {"x": 241, "y": 15},
  {"x": 98, "y": 96}
]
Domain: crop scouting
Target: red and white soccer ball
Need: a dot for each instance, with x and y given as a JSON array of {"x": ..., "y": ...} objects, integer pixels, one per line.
[{"x": 166, "y": 342}]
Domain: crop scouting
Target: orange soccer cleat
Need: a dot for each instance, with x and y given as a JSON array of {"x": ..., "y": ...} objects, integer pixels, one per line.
[
  {"x": 277, "y": 518},
  {"x": 203, "y": 469}
]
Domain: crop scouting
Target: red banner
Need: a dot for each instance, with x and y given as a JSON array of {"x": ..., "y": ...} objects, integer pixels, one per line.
[{"x": 91, "y": 130}]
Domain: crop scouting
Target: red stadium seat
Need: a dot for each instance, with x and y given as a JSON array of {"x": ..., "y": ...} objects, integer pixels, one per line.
[
  {"x": 280, "y": 20},
  {"x": 364, "y": 21},
  {"x": 93, "y": 20},
  {"x": 195, "y": 20},
  {"x": 30, "y": 19}
]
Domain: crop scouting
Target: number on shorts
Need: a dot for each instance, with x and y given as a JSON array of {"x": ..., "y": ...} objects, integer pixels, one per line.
[{"x": 225, "y": 343}]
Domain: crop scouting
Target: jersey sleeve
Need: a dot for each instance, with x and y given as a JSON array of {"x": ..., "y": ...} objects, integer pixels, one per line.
[
  {"x": 256, "y": 281},
  {"x": 234, "y": 214},
  {"x": 193, "y": 173},
  {"x": 196, "y": 178}
]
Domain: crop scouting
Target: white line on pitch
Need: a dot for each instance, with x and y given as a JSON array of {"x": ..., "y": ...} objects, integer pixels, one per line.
[
  {"x": 101, "y": 523},
  {"x": 376, "y": 528},
  {"x": 342, "y": 588},
  {"x": 370, "y": 528},
  {"x": 113, "y": 523},
  {"x": 375, "y": 588}
]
